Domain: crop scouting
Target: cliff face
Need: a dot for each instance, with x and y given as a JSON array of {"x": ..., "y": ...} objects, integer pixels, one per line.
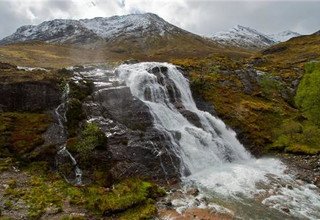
[
  {"x": 29, "y": 96},
  {"x": 28, "y": 89}
]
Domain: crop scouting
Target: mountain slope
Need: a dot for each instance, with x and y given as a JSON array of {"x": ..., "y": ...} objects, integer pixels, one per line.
[
  {"x": 138, "y": 36},
  {"x": 284, "y": 36},
  {"x": 246, "y": 37},
  {"x": 89, "y": 31}
]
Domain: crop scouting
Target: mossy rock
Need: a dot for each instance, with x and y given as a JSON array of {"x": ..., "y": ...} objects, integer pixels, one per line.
[{"x": 21, "y": 133}]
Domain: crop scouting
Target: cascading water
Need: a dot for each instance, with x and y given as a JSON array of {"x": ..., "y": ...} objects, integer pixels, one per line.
[
  {"x": 63, "y": 153},
  {"x": 212, "y": 157}
]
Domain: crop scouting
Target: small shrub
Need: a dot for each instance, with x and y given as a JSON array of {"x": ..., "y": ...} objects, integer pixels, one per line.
[
  {"x": 91, "y": 137},
  {"x": 269, "y": 85}
]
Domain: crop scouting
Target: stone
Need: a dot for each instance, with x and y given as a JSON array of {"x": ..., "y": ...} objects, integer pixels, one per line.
[
  {"x": 29, "y": 96},
  {"x": 193, "y": 192},
  {"x": 285, "y": 209}
]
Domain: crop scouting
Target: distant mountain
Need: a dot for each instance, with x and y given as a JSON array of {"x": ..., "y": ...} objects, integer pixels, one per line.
[
  {"x": 317, "y": 33},
  {"x": 246, "y": 37},
  {"x": 92, "y": 30},
  {"x": 241, "y": 36},
  {"x": 284, "y": 36},
  {"x": 135, "y": 35}
]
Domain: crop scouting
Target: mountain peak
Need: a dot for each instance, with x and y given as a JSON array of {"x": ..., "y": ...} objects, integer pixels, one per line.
[
  {"x": 92, "y": 30},
  {"x": 242, "y": 36},
  {"x": 284, "y": 36}
]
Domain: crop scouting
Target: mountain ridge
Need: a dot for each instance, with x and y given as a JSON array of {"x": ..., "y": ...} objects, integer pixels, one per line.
[
  {"x": 246, "y": 37},
  {"x": 95, "y": 29}
]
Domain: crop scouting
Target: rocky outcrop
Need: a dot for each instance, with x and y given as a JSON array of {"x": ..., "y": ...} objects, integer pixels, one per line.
[
  {"x": 29, "y": 96},
  {"x": 124, "y": 108},
  {"x": 134, "y": 147}
]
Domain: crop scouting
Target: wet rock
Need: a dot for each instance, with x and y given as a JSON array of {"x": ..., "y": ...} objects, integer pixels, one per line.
[
  {"x": 29, "y": 96},
  {"x": 285, "y": 209},
  {"x": 122, "y": 106},
  {"x": 52, "y": 210},
  {"x": 135, "y": 148},
  {"x": 131, "y": 61},
  {"x": 193, "y": 192},
  {"x": 290, "y": 187},
  {"x": 192, "y": 117}
]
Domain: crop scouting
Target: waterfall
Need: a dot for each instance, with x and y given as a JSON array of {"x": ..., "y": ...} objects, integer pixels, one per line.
[
  {"x": 63, "y": 153},
  {"x": 211, "y": 156}
]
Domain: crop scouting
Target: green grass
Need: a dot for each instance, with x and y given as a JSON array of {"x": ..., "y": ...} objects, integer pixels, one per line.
[
  {"x": 308, "y": 93},
  {"x": 128, "y": 199},
  {"x": 297, "y": 137},
  {"x": 22, "y": 132}
]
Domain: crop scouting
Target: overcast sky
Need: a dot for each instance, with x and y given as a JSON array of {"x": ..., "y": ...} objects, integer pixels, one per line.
[{"x": 203, "y": 17}]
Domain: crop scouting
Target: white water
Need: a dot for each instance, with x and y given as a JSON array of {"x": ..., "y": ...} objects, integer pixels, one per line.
[
  {"x": 60, "y": 113},
  {"x": 212, "y": 155}
]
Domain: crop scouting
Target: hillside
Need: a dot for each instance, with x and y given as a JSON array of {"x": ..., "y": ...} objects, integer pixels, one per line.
[
  {"x": 256, "y": 95},
  {"x": 93, "y": 140},
  {"x": 287, "y": 59},
  {"x": 122, "y": 36}
]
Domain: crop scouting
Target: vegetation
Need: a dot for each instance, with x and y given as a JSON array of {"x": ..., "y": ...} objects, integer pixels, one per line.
[
  {"x": 75, "y": 114},
  {"x": 297, "y": 137},
  {"x": 308, "y": 93},
  {"x": 46, "y": 192},
  {"x": 91, "y": 137},
  {"x": 301, "y": 135},
  {"x": 20, "y": 133},
  {"x": 270, "y": 87}
]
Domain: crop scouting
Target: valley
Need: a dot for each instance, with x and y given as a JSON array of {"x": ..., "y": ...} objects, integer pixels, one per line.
[{"x": 152, "y": 121}]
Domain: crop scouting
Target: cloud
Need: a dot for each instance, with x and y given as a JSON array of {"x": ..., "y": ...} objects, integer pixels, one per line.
[{"x": 203, "y": 17}]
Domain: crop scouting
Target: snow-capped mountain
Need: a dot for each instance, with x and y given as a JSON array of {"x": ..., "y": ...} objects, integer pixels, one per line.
[
  {"x": 284, "y": 36},
  {"x": 92, "y": 30},
  {"x": 241, "y": 36},
  {"x": 246, "y": 37}
]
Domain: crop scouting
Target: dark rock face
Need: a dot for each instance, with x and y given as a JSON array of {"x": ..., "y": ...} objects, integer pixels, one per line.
[
  {"x": 135, "y": 147},
  {"x": 124, "y": 108},
  {"x": 275, "y": 49},
  {"x": 29, "y": 96}
]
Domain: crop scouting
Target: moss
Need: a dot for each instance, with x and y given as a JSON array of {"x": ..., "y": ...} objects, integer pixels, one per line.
[
  {"x": 81, "y": 89},
  {"x": 72, "y": 217},
  {"x": 20, "y": 133},
  {"x": 90, "y": 138},
  {"x": 128, "y": 199},
  {"x": 5, "y": 163},
  {"x": 127, "y": 194},
  {"x": 270, "y": 87},
  {"x": 145, "y": 211},
  {"x": 40, "y": 197},
  {"x": 297, "y": 137},
  {"x": 308, "y": 93},
  {"x": 74, "y": 116}
]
